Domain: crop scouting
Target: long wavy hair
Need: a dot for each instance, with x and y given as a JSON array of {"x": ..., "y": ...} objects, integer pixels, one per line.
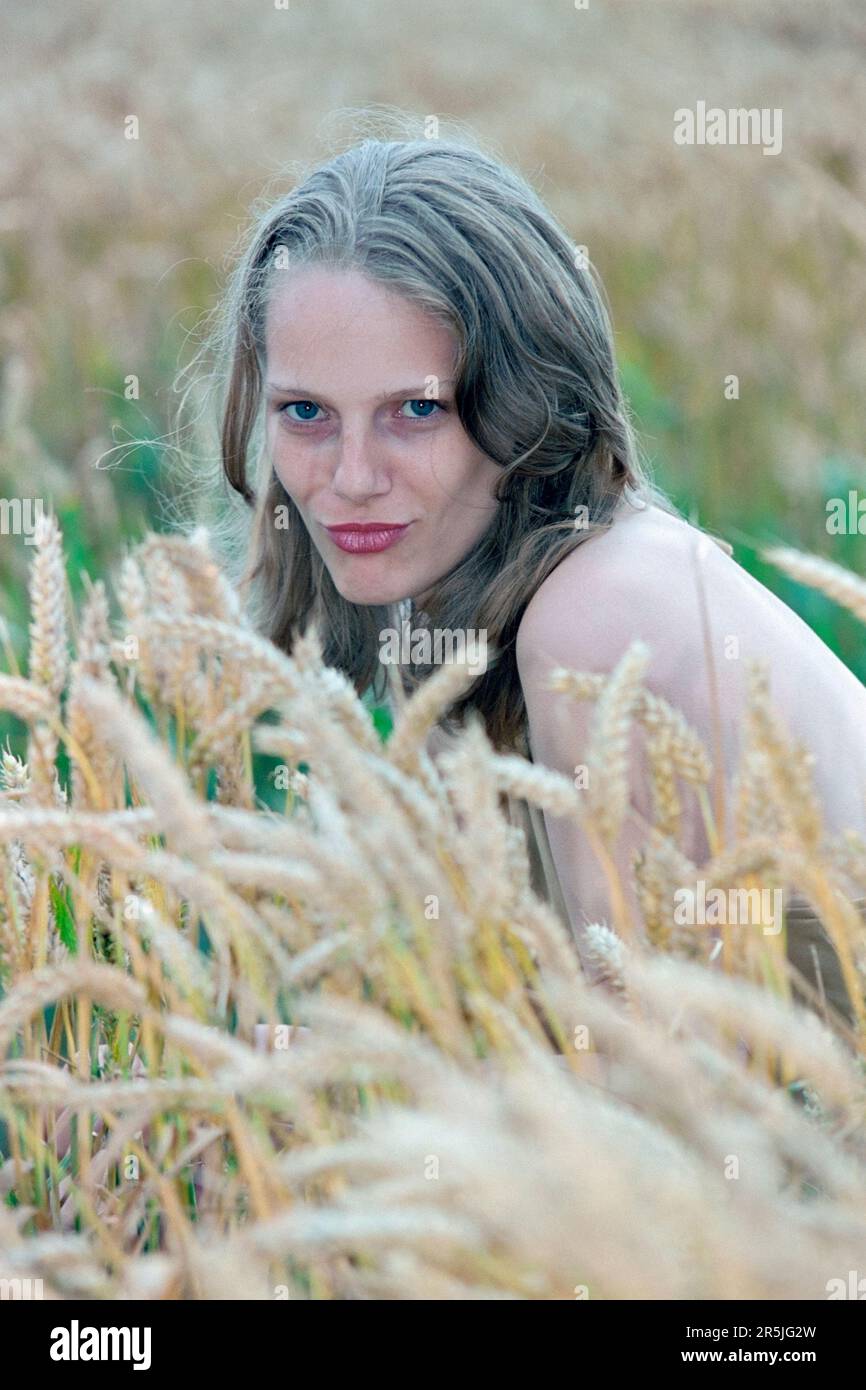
[{"x": 461, "y": 234}]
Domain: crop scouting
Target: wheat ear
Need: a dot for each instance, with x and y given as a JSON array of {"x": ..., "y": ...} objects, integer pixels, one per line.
[
  {"x": 817, "y": 573},
  {"x": 608, "y": 760}
]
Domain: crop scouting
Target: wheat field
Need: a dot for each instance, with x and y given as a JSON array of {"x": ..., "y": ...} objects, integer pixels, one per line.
[
  {"x": 281, "y": 1016},
  {"x": 338, "y": 1049}
]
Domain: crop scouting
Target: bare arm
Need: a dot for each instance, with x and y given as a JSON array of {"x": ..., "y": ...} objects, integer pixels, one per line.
[{"x": 585, "y": 618}]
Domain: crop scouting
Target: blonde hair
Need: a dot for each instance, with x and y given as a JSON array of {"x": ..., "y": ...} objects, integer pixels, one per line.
[{"x": 462, "y": 234}]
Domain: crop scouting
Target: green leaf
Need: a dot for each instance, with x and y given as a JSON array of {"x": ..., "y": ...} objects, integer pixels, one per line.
[{"x": 63, "y": 917}]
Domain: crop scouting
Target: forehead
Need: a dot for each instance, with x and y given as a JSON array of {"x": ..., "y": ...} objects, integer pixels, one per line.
[{"x": 340, "y": 322}]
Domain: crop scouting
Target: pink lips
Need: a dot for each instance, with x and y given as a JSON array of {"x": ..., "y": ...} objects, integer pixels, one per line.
[{"x": 366, "y": 538}]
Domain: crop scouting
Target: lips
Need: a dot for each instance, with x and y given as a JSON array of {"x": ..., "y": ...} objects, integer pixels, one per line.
[{"x": 366, "y": 537}]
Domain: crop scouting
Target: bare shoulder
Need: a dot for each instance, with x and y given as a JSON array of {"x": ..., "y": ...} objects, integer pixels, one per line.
[
  {"x": 636, "y": 580},
  {"x": 644, "y": 579}
]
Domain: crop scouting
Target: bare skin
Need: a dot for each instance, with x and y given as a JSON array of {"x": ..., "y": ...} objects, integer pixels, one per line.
[
  {"x": 638, "y": 580},
  {"x": 362, "y": 427}
]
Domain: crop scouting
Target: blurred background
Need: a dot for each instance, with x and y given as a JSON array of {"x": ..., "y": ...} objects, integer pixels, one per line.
[{"x": 717, "y": 260}]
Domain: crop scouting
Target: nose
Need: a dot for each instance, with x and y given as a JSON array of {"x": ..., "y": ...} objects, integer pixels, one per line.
[{"x": 359, "y": 472}]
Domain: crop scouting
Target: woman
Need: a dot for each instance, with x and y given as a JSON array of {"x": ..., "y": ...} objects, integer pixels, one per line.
[{"x": 422, "y": 373}]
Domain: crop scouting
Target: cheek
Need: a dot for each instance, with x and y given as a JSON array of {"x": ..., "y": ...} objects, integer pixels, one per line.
[
  {"x": 460, "y": 472},
  {"x": 285, "y": 461},
  {"x": 283, "y": 473},
  {"x": 480, "y": 481}
]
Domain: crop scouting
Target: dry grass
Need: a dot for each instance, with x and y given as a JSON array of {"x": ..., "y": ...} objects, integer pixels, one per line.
[
  {"x": 464, "y": 1116},
  {"x": 717, "y": 260}
]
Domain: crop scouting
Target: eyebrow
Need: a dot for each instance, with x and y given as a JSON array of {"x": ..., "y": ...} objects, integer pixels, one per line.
[{"x": 406, "y": 392}]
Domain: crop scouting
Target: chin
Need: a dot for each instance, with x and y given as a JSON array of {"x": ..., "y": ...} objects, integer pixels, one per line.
[{"x": 368, "y": 595}]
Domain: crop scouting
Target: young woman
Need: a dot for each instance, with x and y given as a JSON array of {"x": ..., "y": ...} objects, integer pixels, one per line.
[{"x": 424, "y": 414}]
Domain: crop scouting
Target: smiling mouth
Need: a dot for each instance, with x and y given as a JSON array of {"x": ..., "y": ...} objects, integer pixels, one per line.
[{"x": 366, "y": 537}]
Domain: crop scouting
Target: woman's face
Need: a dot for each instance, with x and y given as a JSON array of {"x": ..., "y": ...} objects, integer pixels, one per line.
[{"x": 362, "y": 428}]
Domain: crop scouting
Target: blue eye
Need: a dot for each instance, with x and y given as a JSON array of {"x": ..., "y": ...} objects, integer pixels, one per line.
[
  {"x": 424, "y": 401},
  {"x": 302, "y": 405}
]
